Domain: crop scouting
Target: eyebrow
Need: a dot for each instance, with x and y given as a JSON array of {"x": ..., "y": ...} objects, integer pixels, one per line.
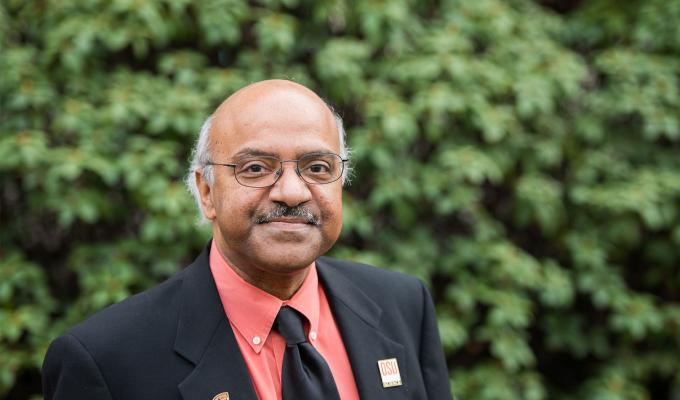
[
  {"x": 250, "y": 151},
  {"x": 253, "y": 152}
]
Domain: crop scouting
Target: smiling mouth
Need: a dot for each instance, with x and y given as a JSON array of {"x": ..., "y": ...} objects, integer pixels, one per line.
[
  {"x": 288, "y": 225},
  {"x": 291, "y": 221}
]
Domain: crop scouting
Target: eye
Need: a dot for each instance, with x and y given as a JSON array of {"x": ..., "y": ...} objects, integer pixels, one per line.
[
  {"x": 316, "y": 166},
  {"x": 254, "y": 168}
]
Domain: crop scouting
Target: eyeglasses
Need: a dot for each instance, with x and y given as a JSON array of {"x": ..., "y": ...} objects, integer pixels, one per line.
[{"x": 264, "y": 171}]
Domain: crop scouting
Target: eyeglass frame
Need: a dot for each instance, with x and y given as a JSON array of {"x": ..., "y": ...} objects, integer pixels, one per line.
[{"x": 279, "y": 172}]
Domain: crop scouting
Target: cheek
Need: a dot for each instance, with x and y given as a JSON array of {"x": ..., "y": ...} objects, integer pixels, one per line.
[
  {"x": 235, "y": 205},
  {"x": 331, "y": 209}
]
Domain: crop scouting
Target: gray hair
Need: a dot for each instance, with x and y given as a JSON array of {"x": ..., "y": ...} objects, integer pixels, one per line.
[{"x": 200, "y": 157}]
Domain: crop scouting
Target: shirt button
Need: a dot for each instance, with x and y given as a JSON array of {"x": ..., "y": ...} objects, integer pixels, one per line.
[
  {"x": 256, "y": 340},
  {"x": 312, "y": 335}
]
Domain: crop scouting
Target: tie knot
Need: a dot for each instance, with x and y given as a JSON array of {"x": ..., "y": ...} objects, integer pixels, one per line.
[{"x": 290, "y": 325}]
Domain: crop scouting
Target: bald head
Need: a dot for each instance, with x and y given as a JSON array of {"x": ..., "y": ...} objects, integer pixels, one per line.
[
  {"x": 270, "y": 91},
  {"x": 265, "y": 104}
]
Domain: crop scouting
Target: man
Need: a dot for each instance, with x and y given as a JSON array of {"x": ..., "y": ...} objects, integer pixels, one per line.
[{"x": 260, "y": 314}]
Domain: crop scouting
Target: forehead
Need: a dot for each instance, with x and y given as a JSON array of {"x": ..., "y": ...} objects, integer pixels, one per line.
[{"x": 282, "y": 121}]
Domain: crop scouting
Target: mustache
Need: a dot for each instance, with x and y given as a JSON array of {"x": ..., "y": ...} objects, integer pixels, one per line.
[{"x": 284, "y": 211}]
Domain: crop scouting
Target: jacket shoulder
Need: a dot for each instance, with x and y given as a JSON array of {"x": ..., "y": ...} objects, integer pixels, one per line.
[
  {"x": 372, "y": 279},
  {"x": 367, "y": 271},
  {"x": 126, "y": 321}
]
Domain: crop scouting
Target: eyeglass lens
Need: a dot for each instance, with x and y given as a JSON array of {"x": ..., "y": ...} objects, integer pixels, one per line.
[{"x": 264, "y": 171}]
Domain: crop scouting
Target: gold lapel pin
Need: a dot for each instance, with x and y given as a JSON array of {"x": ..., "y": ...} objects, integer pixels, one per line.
[{"x": 221, "y": 396}]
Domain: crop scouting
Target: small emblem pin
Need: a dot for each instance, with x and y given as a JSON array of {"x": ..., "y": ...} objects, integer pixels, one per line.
[
  {"x": 221, "y": 396},
  {"x": 389, "y": 372}
]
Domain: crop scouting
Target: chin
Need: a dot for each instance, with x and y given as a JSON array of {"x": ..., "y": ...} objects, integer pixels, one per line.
[{"x": 288, "y": 258}]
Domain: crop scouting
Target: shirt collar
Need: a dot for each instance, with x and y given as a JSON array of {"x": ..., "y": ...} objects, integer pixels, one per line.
[{"x": 251, "y": 310}]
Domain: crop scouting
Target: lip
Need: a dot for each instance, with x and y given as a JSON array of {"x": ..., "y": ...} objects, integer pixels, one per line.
[
  {"x": 289, "y": 220},
  {"x": 288, "y": 224}
]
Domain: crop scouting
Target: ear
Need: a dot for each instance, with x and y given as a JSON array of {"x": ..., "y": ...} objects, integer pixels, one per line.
[{"x": 204, "y": 191}]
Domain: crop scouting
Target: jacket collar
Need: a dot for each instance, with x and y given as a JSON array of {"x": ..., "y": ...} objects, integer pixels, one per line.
[
  {"x": 359, "y": 320},
  {"x": 204, "y": 337}
]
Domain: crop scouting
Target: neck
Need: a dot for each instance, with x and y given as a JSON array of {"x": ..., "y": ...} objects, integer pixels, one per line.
[{"x": 282, "y": 286}]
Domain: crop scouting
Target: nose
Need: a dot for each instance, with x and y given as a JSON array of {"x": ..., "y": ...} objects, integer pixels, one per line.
[{"x": 290, "y": 189}]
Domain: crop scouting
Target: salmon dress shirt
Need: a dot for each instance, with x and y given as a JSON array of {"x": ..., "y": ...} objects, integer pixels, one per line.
[{"x": 251, "y": 313}]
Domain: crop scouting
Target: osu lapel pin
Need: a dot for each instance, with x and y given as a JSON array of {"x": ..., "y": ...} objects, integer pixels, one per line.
[
  {"x": 389, "y": 372},
  {"x": 221, "y": 396}
]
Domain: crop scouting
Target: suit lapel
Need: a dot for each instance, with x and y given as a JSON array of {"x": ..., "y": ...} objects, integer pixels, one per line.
[
  {"x": 205, "y": 338},
  {"x": 358, "y": 318}
]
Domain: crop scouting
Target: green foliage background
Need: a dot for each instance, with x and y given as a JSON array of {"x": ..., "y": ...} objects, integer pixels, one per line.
[{"x": 523, "y": 157}]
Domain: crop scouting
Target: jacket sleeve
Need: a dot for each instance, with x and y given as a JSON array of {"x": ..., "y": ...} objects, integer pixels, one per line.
[
  {"x": 432, "y": 361},
  {"x": 70, "y": 372}
]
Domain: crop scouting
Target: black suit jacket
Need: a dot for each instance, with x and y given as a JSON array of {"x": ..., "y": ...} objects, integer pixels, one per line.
[{"x": 175, "y": 342}]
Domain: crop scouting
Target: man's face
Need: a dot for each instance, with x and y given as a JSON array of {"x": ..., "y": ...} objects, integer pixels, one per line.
[{"x": 285, "y": 122}]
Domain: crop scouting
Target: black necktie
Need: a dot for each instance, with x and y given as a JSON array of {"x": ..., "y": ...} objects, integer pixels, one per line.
[{"x": 305, "y": 375}]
